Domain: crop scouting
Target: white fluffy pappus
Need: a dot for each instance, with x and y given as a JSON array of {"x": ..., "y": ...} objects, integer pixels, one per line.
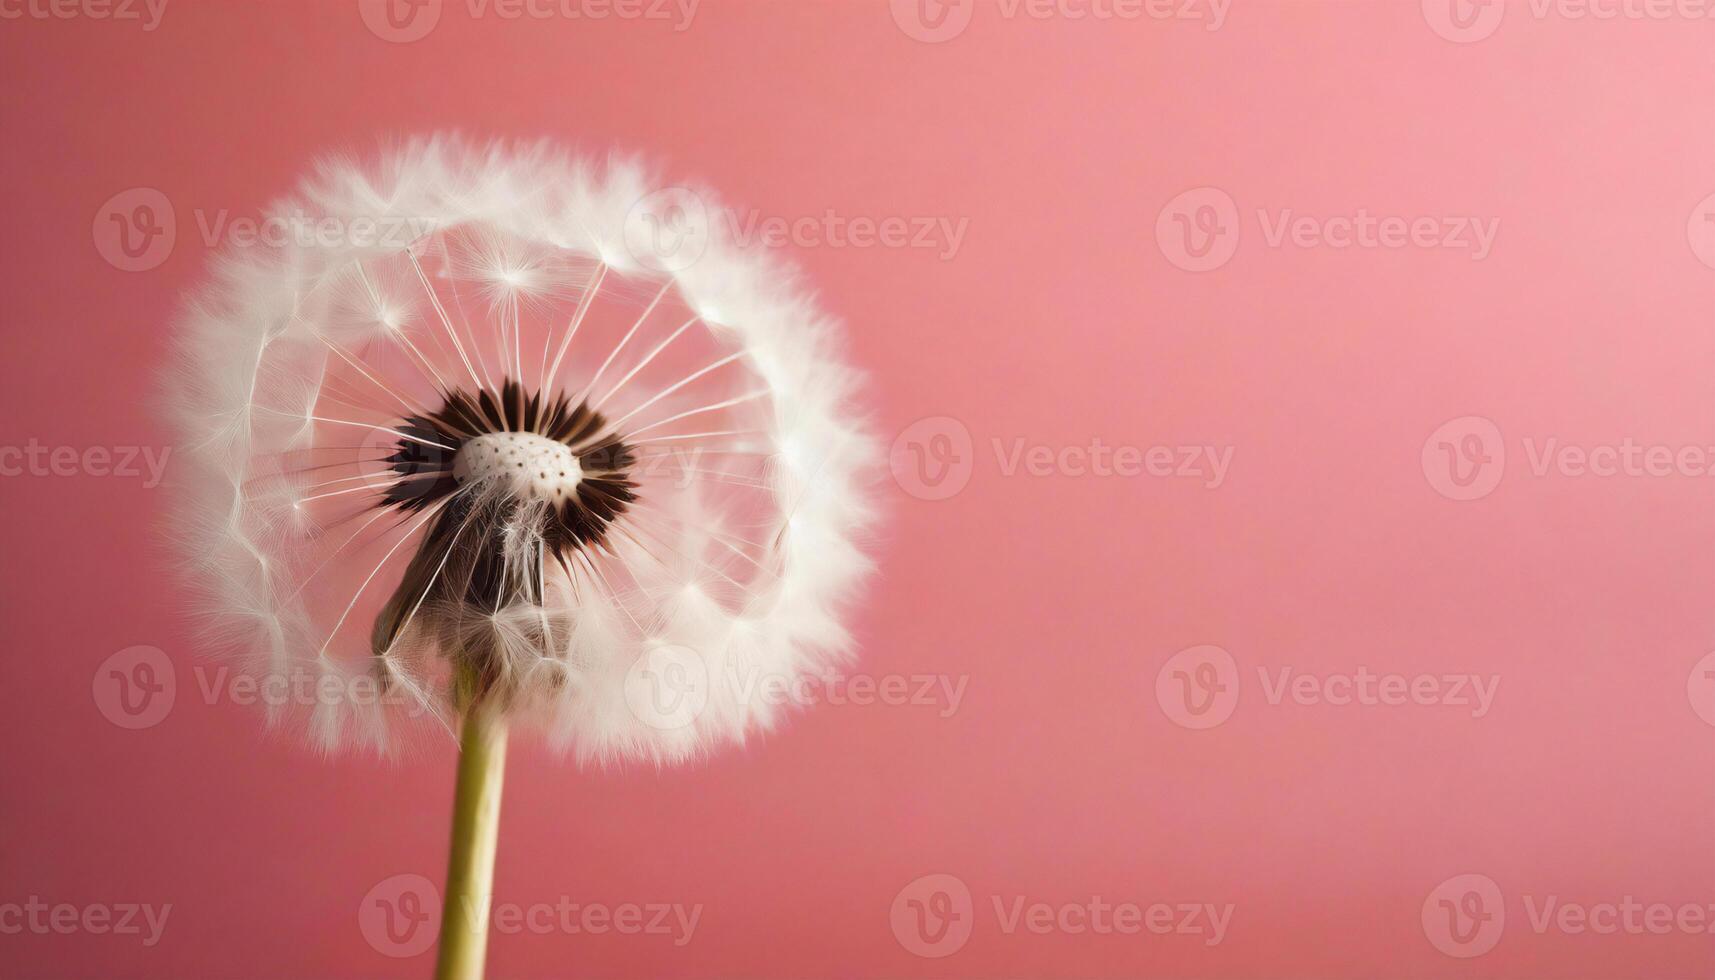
[{"x": 493, "y": 421}]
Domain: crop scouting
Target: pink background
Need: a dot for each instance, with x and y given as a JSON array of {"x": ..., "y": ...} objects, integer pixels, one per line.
[{"x": 1061, "y": 318}]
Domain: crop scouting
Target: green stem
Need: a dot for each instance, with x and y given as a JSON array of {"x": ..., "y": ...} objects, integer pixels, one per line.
[{"x": 476, "y": 829}]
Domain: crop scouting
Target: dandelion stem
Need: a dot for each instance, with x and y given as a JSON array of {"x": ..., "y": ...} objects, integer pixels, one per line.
[{"x": 476, "y": 829}]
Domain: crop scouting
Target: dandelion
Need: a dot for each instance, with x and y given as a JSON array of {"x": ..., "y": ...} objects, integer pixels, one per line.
[{"x": 512, "y": 441}]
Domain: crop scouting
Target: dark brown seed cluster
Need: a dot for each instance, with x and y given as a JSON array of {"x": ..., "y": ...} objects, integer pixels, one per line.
[{"x": 460, "y": 560}]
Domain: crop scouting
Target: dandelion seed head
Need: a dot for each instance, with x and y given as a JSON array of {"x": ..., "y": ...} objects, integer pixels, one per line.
[{"x": 478, "y": 490}]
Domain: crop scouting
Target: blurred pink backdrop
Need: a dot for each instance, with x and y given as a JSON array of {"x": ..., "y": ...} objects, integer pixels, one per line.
[{"x": 1415, "y": 406}]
